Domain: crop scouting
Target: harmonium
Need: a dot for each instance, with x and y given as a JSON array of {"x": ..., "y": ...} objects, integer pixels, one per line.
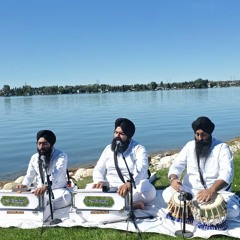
[
  {"x": 24, "y": 206},
  {"x": 94, "y": 205}
]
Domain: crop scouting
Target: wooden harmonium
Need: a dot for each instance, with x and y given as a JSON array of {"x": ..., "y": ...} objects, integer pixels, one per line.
[
  {"x": 94, "y": 205},
  {"x": 24, "y": 205}
]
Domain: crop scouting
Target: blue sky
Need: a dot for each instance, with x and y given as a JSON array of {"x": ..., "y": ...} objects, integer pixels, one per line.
[{"x": 116, "y": 42}]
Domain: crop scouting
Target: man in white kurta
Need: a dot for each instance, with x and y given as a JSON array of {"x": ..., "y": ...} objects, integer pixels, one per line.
[
  {"x": 136, "y": 159},
  {"x": 215, "y": 165},
  {"x": 55, "y": 167}
]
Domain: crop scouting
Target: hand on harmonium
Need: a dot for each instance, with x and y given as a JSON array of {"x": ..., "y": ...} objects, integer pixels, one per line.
[
  {"x": 40, "y": 191},
  {"x": 20, "y": 188},
  {"x": 98, "y": 185},
  {"x": 124, "y": 189}
]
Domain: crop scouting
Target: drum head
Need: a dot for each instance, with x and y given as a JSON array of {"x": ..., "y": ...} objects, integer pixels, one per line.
[{"x": 210, "y": 215}]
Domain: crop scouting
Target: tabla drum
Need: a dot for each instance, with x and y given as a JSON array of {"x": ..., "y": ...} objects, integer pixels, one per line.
[
  {"x": 176, "y": 207},
  {"x": 210, "y": 215}
]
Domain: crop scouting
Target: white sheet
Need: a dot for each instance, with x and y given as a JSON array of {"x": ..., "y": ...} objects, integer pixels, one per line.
[{"x": 158, "y": 224}]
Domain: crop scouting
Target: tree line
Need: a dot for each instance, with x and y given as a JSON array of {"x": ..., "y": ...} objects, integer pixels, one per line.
[{"x": 27, "y": 90}]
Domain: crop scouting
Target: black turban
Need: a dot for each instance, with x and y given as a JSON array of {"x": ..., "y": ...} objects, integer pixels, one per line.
[
  {"x": 203, "y": 123},
  {"x": 127, "y": 126},
  {"x": 48, "y": 135}
]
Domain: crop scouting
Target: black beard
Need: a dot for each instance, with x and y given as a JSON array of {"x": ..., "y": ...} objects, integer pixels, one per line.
[
  {"x": 46, "y": 153},
  {"x": 202, "y": 147},
  {"x": 122, "y": 148}
]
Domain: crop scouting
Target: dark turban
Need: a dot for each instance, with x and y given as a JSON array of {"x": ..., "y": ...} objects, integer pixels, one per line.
[
  {"x": 203, "y": 123},
  {"x": 48, "y": 135},
  {"x": 127, "y": 126}
]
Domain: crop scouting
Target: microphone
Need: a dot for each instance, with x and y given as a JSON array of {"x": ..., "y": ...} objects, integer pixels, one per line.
[
  {"x": 118, "y": 145},
  {"x": 44, "y": 162},
  {"x": 185, "y": 196}
]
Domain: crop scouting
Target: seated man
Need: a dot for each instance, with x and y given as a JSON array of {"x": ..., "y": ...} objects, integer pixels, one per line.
[
  {"x": 54, "y": 162},
  {"x": 207, "y": 168},
  {"x": 111, "y": 168}
]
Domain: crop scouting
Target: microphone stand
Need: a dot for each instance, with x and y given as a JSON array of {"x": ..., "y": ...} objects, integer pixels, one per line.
[
  {"x": 50, "y": 196},
  {"x": 131, "y": 215},
  {"x": 183, "y": 232}
]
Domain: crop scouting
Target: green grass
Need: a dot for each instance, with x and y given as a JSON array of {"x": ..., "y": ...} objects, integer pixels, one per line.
[
  {"x": 77, "y": 233},
  {"x": 236, "y": 180}
]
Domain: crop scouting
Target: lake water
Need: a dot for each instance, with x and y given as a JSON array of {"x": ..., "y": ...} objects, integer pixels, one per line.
[{"x": 84, "y": 123}]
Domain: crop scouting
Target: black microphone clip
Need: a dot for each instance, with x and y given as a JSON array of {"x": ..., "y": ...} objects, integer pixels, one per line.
[{"x": 185, "y": 196}]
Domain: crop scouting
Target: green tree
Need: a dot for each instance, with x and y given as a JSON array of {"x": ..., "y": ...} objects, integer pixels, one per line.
[
  {"x": 153, "y": 85},
  {"x": 6, "y": 90}
]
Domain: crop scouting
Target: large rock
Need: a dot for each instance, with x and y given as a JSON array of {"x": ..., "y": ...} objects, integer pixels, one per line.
[
  {"x": 164, "y": 162},
  {"x": 9, "y": 186},
  {"x": 19, "y": 180},
  {"x": 234, "y": 148},
  {"x": 83, "y": 173},
  {"x": 78, "y": 174}
]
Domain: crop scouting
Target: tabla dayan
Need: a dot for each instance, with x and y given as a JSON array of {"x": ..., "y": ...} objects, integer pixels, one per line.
[
  {"x": 24, "y": 205},
  {"x": 175, "y": 208},
  {"x": 98, "y": 206},
  {"x": 210, "y": 215}
]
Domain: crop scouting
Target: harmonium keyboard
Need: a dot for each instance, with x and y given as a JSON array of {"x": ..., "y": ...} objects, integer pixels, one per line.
[
  {"x": 24, "y": 206},
  {"x": 96, "y": 205}
]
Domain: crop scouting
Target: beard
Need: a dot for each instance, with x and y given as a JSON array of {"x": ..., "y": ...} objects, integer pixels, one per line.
[
  {"x": 46, "y": 153},
  {"x": 202, "y": 147},
  {"x": 122, "y": 147}
]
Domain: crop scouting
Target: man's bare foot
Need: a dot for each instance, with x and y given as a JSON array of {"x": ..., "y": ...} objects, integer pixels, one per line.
[{"x": 138, "y": 205}]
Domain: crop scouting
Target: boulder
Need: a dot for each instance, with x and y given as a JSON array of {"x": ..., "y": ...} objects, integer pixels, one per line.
[
  {"x": 9, "y": 186},
  {"x": 19, "y": 180}
]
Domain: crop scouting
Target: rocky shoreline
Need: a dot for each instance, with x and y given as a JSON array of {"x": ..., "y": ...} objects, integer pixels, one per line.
[{"x": 157, "y": 161}]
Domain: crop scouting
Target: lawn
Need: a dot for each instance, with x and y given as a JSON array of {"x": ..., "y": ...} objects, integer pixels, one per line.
[{"x": 73, "y": 233}]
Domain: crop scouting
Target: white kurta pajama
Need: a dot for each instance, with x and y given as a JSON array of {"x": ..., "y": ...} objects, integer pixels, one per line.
[
  {"x": 137, "y": 161},
  {"x": 57, "y": 170},
  {"x": 218, "y": 165}
]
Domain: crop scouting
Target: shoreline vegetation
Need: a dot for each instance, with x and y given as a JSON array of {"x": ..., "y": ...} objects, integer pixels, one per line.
[
  {"x": 28, "y": 90},
  {"x": 157, "y": 161}
]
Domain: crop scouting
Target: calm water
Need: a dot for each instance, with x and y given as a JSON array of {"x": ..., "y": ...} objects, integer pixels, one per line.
[{"x": 84, "y": 124}]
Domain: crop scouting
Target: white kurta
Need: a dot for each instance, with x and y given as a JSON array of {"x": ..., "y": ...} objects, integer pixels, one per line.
[
  {"x": 218, "y": 165},
  {"x": 137, "y": 160},
  {"x": 57, "y": 171}
]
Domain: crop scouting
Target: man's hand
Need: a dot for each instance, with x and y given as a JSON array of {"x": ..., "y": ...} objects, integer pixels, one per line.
[
  {"x": 20, "y": 188},
  {"x": 98, "y": 185},
  {"x": 204, "y": 195},
  {"x": 177, "y": 185},
  {"x": 124, "y": 189},
  {"x": 40, "y": 191}
]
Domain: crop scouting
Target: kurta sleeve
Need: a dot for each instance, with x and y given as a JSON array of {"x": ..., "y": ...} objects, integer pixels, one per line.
[
  {"x": 226, "y": 167},
  {"x": 31, "y": 172},
  {"x": 141, "y": 168},
  {"x": 179, "y": 164},
  {"x": 99, "y": 171}
]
